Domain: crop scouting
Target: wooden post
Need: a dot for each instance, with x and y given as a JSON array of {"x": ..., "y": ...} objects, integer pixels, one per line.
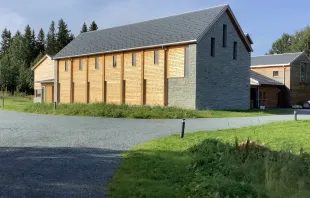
[
  {"x": 122, "y": 80},
  {"x": 103, "y": 79},
  {"x": 142, "y": 78},
  {"x": 71, "y": 81},
  {"x": 165, "y": 78},
  {"x": 86, "y": 86}
]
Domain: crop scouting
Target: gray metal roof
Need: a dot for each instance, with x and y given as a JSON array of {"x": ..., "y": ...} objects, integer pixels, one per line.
[
  {"x": 262, "y": 80},
  {"x": 174, "y": 29},
  {"x": 276, "y": 59}
]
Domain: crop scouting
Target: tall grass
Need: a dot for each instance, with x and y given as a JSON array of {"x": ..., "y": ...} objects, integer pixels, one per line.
[{"x": 113, "y": 111}]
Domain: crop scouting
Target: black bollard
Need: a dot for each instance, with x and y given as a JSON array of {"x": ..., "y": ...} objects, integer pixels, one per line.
[
  {"x": 55, "y": 105},
  {"x": 2, "y": 102},
  {"x": 183, "y": 128}
]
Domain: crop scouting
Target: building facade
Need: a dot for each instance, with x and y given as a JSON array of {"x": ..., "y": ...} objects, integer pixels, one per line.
[
  {"x": 197, "y": 60},
  {"x": 44, "y": 80},
  {"x": 286, "y": 79}
]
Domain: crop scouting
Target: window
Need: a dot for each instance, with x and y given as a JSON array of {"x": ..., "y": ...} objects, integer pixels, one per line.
[
  {"x": 224, "y": 35},
  {"x": 133, "y": 59},
  {"x": 235, "y": 50},
  {"x": 38, "y": 92},
  {"x": 66, "y": 66},
  {"x": 156, "y": 56},
  {"x": 186, "y": 62},
  {"x": 262, "y": 95},
  {"x": 114, "y": 61},
  {"x": 96, "y": 63},
  {"x": 303, "y": 72},
  {"x": 275, "y": 73},
  {"x": 212, "y": 47},
  {"x": 81, "y": 64}
]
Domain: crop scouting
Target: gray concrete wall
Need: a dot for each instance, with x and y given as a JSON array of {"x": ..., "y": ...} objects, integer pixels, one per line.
[
  {"x": 182, "y": 91},
  {"x": 222, "y": 82}
]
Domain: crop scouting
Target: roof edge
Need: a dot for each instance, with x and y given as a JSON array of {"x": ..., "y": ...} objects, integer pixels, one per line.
[
  {"x": 41, "y": 60},
  {"x": 128, "y": 49},
  {"x": 271, "y": 65},
  {"x": 227, "y": 8},
  {"x": 277, "y": 54},
  {"x": 303, "y": 53}
]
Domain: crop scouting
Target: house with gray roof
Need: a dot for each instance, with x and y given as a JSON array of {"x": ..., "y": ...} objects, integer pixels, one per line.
[
  {"x": 280, "y": 80},
  {"x": 195, "y": 60}
]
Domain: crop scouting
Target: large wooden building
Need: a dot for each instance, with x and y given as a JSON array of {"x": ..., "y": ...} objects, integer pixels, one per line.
[
  {"x": 280, "y": 80},
  {"x": 196, "y": 60}
]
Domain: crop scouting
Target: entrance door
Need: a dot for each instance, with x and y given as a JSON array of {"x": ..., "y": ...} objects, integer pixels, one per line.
[{"x": 254, "y": 97}]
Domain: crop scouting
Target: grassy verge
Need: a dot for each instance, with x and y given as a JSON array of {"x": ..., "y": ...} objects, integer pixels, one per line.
[
  {"x": 212, "y": 164},
  {"x": 25, "y": 104}
]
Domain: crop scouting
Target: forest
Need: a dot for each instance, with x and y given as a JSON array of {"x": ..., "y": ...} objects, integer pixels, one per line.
[{"x": 20, "y": 51}]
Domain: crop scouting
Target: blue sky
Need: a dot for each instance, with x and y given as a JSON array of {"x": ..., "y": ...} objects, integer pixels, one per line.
[{"x": 264, "y": 20}]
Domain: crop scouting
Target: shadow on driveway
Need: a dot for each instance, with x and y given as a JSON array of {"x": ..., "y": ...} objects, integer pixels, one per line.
[{"x": 55, "y": 172}]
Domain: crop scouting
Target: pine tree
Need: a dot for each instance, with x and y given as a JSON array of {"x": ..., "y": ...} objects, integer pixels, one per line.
[
  {"x": 93, "y": 26},
  {"x": 84, "y": 28},
  {"x": 6, "y": 41},
  {"x": 51, "y": 42},
  {"x": 63, "y": 35},
  {"x": 40, "y": 42}
]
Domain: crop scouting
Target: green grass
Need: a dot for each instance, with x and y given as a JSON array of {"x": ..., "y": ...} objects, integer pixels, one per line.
[
  {"x": 25, "y": 104},
  {"x": 210, "y": 164}
]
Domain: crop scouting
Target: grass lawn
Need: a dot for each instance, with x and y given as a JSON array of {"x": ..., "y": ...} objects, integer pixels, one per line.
[
  {"x": 212, "y": 164},
  {"x": 25, "y": 104}
]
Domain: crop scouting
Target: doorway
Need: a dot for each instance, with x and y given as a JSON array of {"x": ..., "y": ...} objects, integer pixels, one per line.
[{"x": 254, "y": 97}]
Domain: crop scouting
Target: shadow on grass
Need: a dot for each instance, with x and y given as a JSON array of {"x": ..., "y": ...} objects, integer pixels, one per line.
[
  {"x": 55, "y": 172},
  {"x": 213, "y": 169}
]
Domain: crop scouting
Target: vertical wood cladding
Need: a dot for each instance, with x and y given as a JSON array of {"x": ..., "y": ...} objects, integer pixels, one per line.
[
  {"x": 95, "y": 79},
  {"x": 176, "y": 61},
  {"x": 48, "y": 92},
  {"x": 124, "y": 82},
  {"x": 113, "y": 78},
  {"x": 154, "y": 75},
  {"x": 79, "y": 80},
  {"x": 44, "y": 71},
  {"x": 65, "y": 81},
  {"x": 132, "y": 77}
]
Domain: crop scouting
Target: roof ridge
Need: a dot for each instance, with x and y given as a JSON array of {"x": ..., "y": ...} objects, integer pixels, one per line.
[
  {"x": 276, "y": 54},
  {"x": 156, "y": 18}
]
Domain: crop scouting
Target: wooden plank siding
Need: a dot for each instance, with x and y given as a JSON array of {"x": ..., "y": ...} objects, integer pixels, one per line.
[
  {"x": 49, "y": 92},
  {"x": 65, "y": 81},
  {"x": 143, "y": 83},
  {"x": 80, "y": 80},
  {"x": 176, "y": 61},
  {"x": 154, "y": 76},
  {"x": 95, "y": 79},
  {"x": 44, "y": 71},
  {"x": 132, "y": 77},
  {"x": 113, "y": 78},
  {"x": 284, "y": 74}
]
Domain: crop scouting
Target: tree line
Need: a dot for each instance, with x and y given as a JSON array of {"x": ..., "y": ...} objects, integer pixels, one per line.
[
  {"x": 21, "y": 51},
  {"x": 296, "y": 42}
]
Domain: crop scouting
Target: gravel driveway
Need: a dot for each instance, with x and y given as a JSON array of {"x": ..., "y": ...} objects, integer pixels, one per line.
[{"x": 60, "y": 156}]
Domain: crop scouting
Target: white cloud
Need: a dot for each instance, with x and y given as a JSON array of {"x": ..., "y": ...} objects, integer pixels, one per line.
[{"x": 11, "y": 20}]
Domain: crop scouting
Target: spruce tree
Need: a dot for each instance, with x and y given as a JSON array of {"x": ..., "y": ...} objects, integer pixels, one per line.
[
  {"x": 63, "y": 35},
  {"x": 40, "y": 42},
  {"x": 84, "y": 28},
  {"x": 93, "y": 26},
  {"x": 6, "y": 41},
  {"x": 51, "y": 42}
]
